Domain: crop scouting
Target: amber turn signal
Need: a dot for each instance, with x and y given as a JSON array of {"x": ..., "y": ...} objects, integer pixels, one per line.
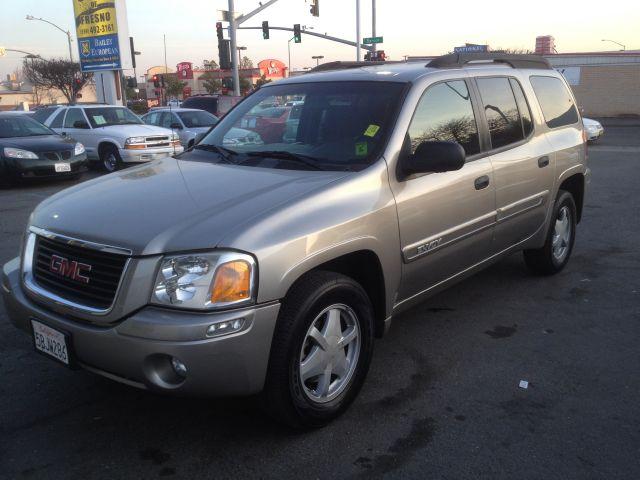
[{"x": 232, "y": 282}]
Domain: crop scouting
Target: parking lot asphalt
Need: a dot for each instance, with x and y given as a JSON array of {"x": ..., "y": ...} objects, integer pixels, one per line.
[{"x": 442, "y": 399}]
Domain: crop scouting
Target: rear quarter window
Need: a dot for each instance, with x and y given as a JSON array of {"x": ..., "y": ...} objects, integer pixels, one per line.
[{"x": 555, "y": 100}]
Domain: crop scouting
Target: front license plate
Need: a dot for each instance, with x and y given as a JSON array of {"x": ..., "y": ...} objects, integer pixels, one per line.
[
  {"x": 62, "y": 167},
  {"x": 51, "y": 342}
]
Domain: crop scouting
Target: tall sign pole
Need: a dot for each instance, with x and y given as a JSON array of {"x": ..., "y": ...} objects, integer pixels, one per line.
[
  {"x": 234, "y": 57},
  {"x": 373, "y": 22},
  {"x": 358, "y": 30}
]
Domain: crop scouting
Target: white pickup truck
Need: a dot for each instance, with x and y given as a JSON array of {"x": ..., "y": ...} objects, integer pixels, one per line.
[{"x": 113, "y": 135}]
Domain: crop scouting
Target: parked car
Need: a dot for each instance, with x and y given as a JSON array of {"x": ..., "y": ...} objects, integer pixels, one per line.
[
  {"x": 28, "y": 149},
  {"x": 112, "y": 135},
  {"x": 272, "y": 268},
  {"x": 191, "y": 125},
  {"x": 217, "y": 105},
  {"x": 270, "y": 123},
  {"x": 593, "y": 128}
]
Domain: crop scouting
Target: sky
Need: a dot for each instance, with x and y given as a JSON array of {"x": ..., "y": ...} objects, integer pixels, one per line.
[{"x": 409, "y": 27}]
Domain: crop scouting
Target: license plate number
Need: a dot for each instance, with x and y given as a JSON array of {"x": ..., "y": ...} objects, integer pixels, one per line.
[
  {"x": 62, "y": 167},
  {"x": 50, "y": 341}
]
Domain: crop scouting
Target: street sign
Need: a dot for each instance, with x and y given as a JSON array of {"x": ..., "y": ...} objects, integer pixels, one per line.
[
  {"x": 3, "y": 52},
  {"x": 97, "y": 32},
  {"x": 471, "y": 49},
  {"x": 371, "y": 40}
]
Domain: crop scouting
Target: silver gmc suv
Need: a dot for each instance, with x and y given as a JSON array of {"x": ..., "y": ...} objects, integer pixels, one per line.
[{"x": 270, "y": 268}]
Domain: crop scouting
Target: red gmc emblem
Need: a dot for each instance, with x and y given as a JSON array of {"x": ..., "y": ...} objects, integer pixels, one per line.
[{"x": 69, "y": 268}]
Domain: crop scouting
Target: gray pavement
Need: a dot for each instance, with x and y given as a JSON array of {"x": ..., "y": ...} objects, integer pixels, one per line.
[{"x": 442, "y": 398}]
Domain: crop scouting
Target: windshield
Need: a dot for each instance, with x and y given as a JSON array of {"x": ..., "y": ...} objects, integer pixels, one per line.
[
  {"x": 22, "y": 126},
  {"x": 106, "y": 116},
  {"x": 197, "y": 119},
  {"x": 333, "y": 125}
]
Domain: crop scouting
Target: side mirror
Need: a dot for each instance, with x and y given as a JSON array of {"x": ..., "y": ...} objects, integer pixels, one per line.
[
  {"x": 434, "y": 157},
  {"x": 176, "y": 126},
  {"x": 81, "y": 124}
]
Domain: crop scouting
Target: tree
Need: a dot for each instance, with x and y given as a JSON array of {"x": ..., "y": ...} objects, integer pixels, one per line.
[
  {"x": 262, "y": 80},
  {"x": 245, "y": 85},
  {"x": 57, "y": 74},
  {"x": 210, "y": 83},
  {"x": 246, "y": 62},
  {"x": 173, "y": 86}
]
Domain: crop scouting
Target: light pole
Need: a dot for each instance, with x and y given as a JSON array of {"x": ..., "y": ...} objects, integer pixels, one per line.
[
  {"x": 66, "y": 32},
  {"x": 617, "y": 43},
  {"x": 240, "y": 49},
  {"x": 289, "y": 51},
  {"x": 317, "y": 58}
]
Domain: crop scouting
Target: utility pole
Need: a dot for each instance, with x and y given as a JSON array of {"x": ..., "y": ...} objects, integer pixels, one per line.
[
  {"x": 373, "y": 23},
  {"x": 234, "y": 58},
  {"x": 358, "y": 30}
]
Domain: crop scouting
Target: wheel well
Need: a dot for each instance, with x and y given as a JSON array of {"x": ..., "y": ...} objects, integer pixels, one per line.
[
  {"x": 364, "y": 267},
  {"x": 104, "y": 146},
  {"x": 575, "y": 186}
]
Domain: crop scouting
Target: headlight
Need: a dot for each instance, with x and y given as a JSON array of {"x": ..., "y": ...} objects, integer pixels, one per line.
[
  {"x": 205, "y": 280},
  {"x": 79, "y": 149},
  {"x": 134, "y": 140},
  {"x": 18, "y": 153}
]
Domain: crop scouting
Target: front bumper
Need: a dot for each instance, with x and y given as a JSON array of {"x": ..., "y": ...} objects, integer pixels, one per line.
[
  {"x": 42, "y": 168},
  {"x": 138, "y": 349},
  {"x": 139, "y": 156}
]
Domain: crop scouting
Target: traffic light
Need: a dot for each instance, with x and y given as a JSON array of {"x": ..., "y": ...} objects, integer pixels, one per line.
[
  {"x": 132, "y": 82},
  {"x": 156, "y": 81},
  {"x": 265, "y": 30},
  {"x": 224, "y": 52},
  {"x": 219, "y": 30},
  {"x": 315, "y": 8},
  {"x": 297, "y": 34}
]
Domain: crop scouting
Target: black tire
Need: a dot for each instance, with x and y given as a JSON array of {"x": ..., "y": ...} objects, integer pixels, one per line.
[
  {"x": 285, "y": 395},
  {"x": 110, "y": 159},
  {"x": 543, "y": 261}
]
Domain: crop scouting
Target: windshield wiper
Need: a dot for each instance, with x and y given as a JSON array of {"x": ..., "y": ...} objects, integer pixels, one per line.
[
  {"x": 284, "y": 155},
  {"x": 225, "y": 153}
]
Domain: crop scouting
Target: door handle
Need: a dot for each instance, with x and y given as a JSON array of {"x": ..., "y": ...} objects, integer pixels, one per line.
[
  {"x": 481, "y": 182},
  {"x": 543, "y": 161}
]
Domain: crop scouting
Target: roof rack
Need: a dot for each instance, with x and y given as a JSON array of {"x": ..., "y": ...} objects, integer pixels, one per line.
[
  {"x": 514, "y": 60},
  {"x": 325, "y": 67}
]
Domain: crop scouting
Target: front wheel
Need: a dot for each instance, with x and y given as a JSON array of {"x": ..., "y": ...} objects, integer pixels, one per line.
[
  {"x": 555, "y": 253},
  {"x": 111, "y": 160},
  {"x": 321, "y": 350}
]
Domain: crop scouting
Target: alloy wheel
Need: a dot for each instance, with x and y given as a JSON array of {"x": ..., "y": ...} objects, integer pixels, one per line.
[{"x": 562, "y": 232}]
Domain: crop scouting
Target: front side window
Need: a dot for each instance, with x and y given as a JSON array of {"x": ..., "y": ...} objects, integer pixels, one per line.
[
  {"x": 445, "y": 113},
  {"x": 151, "y": 118},
  {"x": 106, "y": 116},
  {"x": 333, "y": 126},
  {"x": 501, "y": 111},
  {"x": 167, "y": 119},
  {"x": 556, "y": 102},
  {"x": 73, "y": 115},
  {"x": 197, "y": 119}
]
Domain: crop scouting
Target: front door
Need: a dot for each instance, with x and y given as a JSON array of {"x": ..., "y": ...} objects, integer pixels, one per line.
[
  {"x": 446, "y": 219},
  {"x": 70, "y": 128}
]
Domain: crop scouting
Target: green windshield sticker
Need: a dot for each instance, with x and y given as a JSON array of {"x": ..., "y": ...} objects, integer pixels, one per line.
[
  {"x": 371, "y": 131},
  {"x": 99, "y": 119},
  {"x": 361, "y": 149}
]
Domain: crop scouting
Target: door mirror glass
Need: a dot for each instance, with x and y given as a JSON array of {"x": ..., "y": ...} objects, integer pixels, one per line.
[
  {"x": 433, "y": 157},
  {"x": 80, "y": 124}
]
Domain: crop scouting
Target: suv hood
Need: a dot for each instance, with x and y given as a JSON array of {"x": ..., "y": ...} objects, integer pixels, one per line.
[
  {"x": 132, "y": 130},
  {"x": 173, "y": 205}
]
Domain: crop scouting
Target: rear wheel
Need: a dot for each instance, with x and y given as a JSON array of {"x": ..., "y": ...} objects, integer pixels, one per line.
[
  {"x": 555, "y": 253},
  {"x": 321, "y": 350},
  {"x": 110, "y": 159}
]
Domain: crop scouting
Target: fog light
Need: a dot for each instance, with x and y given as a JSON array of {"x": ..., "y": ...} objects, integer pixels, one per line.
[
  {"x": 179, "y": 367},
  {"x": 225, "y": 327}
]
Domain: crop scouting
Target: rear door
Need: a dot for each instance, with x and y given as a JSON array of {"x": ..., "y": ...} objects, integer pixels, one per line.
[
  {"x": 446, "y": 219},
  {"x": 521, "y": 157}
]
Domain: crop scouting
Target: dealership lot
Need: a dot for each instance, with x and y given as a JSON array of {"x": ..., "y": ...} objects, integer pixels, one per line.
[{"x": 442, "y": 399}]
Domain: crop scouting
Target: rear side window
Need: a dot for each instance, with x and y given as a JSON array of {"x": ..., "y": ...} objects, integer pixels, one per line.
[
  {"x": 445, "y": 113},
  {"x": 556, "y": 102},
  {"x": 57, "y": 121},
  {"x": 523, "y": 107},
  {"x": 501, "y": 111}
]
